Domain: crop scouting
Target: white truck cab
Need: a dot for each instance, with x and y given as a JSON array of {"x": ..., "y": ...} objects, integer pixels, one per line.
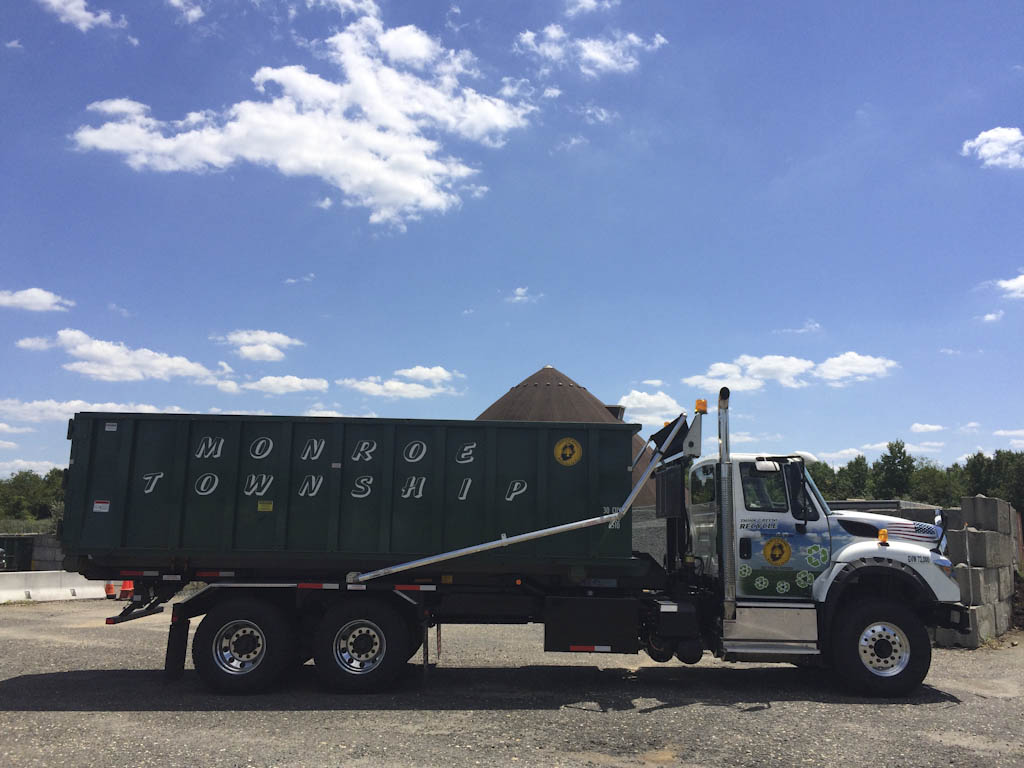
[{"x": 803, "y": 583}]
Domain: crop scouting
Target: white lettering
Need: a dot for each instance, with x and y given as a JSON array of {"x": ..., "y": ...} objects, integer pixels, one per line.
[
  {"x": 314, "y": 447},
  {"x": 311, "y": 485},
  {"x": 413, "y": 486},
  {"x": 364, "y": 450},
  {"x": 515, "y": 488},
  {"x": 206, "y": 484},
  {"x": 261, "y": 447},
  {"x": 465, "y": 454},
  {"x": 151, "y": 480},
  {"x": 209, "y": 448},
  {"x": 464, "y": 488},
  {"x": 258, "y": 484},
  {"x": 415, "y": 451},
  {"x": 362, "y": 489}
]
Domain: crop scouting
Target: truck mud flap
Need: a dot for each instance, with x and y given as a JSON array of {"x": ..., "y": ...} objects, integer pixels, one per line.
[{"x": 591, "y": 624}]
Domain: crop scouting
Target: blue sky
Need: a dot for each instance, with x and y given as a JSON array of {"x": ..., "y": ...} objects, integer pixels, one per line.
[{"x": 403, "y": 208}]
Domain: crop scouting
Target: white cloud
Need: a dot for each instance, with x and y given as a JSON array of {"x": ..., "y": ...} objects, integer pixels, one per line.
[
  {"x": 433, "y": 374},
  {"x": 13, "y": 44},
  {"x": 53, "y": 410},
  {"x": 593, "y": 56},
  {"x": 595, "y": 115},
  {"x": 653, "y": 382},
  {"x": 924, "y": 447},
  {"x": 850, "y": 366},
  {"x": 810, "y": 326},
  {"x": 745, "y": 438},
  {"x": 997, "y": 148},
  {"x": 574, "y": 7},
  {"x": 77, "y": 13},
  {"x": 523, "y": 296},
  {"x": 267, "y": 346},
  {"x": 35, "y": 343},
  {"x": 7, "y": 444},
  {"x": 345, "y": 7},
  {"x": 114, "y": 361},
  {"x": 650, "y": 409},
  {"x": 1009, "y": 433},
  {"x": 191, "y": 11},
  {"x": 875, "y": 446},
  {"x": 785, "y": 370},
  {"x": 282, "y": 385},
  {"x": 20, "y": 465},
  {"x": 324, "y": 203},
  {"x": 844, "y": 454},
  {"x": 964, "y": 457},
  {"x": 571, "y": 143},
  {"x": 309, "y": 277},
  {"x": 1012, "y": 288},
  {"x": 410, "y": 386},
  {"x": 970, "y": 426},
  {"x": 724, "y": 375},
  {"x": 242, "y": 412},
  {"x": 992, "y": 317},
  {"x": 7, "y": 429},
  {"x": 35, "y": 300},
  {"x": 374, "y": 134},
  {"x": 949, "y": 351},
  {"x": 917, "y": 427},
  {"x": 1017, "y": 443},
  {"x": 119, "y": 310},
  {"x": 319, "y": 409},
  {"x": 551, "y": 92}
]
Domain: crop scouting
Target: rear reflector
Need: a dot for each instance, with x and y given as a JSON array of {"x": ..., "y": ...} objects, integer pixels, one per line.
[{"x": 590, "y": 648}]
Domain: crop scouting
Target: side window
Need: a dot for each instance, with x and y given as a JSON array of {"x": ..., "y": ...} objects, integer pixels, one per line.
[
  {"x": 763, "y": 491},
  {"x": 702, "y": 484}
]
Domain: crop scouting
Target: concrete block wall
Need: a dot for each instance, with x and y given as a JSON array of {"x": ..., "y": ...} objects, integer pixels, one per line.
[
  {"x": 47, "y": 554},
  {"x": 984, "y": 544}
]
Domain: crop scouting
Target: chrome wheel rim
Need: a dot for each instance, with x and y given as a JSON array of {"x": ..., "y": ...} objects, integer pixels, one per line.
[
  {"x": 239, "y": 647},
  {"x": 359, "y": 647},
  {"x": 884, "y": 649}
]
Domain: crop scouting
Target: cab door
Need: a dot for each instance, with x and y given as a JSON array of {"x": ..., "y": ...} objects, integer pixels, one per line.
[{"x": 778, "y": 552}]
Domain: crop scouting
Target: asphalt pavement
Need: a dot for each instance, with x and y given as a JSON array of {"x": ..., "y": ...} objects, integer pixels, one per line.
[{"x": 75, "y": 692}]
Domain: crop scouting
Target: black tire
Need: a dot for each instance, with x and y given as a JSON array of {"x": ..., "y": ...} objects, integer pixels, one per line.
[
  {"x": 243, "y": 646},
  {"x": 360, "y": 646},
  {"x": 881, "y": 648}
]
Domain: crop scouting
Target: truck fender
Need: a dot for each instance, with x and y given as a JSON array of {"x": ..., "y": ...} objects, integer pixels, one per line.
[{"x": 880, "y": 570}]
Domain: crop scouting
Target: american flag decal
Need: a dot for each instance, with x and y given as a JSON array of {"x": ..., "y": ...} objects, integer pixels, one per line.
[{"x": 913, "y": 531}]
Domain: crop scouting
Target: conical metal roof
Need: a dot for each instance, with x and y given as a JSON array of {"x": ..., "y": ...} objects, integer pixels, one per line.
[{"x": 550, "y": 395}]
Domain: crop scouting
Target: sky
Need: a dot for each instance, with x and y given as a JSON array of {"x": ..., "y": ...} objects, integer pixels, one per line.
[{"x": 402, "y": 209}]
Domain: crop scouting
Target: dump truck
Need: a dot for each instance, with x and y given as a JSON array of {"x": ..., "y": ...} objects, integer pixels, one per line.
[{"x": 345, "y": 540}]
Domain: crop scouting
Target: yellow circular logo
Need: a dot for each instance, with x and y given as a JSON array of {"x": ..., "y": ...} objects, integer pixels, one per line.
[
  {"x": 568, "y": 451},
  {"x": 777, "y": 551}
]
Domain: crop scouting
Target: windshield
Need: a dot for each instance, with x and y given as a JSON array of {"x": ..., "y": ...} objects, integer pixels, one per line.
[{"x": 817, "y": 493}]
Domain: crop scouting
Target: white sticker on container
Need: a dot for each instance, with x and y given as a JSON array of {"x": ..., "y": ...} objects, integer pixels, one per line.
[
  {"x": 101, "y": 506},
  {"x": 111, "y": 426},
  {"x": 335, "y": 465}
]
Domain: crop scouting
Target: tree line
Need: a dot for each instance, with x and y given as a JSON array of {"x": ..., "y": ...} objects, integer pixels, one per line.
[
  {"x": 29, "y": 496},
  {"x": 898, "y": 475}
]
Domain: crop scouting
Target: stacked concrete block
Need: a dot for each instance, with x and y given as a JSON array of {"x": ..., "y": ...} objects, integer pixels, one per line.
[
  {"x": 47, "y": 554},
  {"x": 984, "y": 553}
]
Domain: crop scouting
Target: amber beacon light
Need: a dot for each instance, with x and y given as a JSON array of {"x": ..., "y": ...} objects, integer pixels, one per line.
[{"x": 701, "y": 406}]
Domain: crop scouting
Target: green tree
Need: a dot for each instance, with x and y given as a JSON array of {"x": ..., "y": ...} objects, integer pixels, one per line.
[
  {"x": 892, "y": 472},
  {"x": 824, "y": 477},
  {"x": 935, "y": 485},
  {"x": 853, "y": 480}
]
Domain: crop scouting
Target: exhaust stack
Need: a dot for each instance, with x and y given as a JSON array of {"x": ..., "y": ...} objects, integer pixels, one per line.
[{"x": 728, "y": 519}]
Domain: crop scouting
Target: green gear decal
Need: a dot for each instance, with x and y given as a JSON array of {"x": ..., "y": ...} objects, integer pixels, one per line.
[
  {"x": 745, "y": 570},
  {"x": 817, "y": 556},
  {"x": 782, "y": 587},
  {"x": 761, "y": 583},
  {"x": 804, "y": 579}
]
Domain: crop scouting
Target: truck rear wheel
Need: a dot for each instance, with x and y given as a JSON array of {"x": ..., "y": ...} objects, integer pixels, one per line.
[
  {"x": 361, "y": 645},
  {"x": 881, "y": 648},
  {"x": 243, "y": 646}
]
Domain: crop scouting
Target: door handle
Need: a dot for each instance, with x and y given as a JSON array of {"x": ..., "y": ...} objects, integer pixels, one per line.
[{"x": 745, "y": 548}]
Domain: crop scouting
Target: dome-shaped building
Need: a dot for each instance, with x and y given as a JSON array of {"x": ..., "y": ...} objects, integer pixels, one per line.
[{"x": 550, "y": 395}]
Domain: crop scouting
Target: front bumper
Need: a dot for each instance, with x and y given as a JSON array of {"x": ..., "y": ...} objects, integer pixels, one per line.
[{"x": 951, "y": 616}]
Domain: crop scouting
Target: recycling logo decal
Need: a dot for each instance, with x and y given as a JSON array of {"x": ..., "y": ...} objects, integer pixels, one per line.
[
  {"x": 568, "y": 451},
  {"x": 817, "y": 556},
  {"x": 782, "y": 587},
  {"x": 777, "y": 551},
  {"x": 804, "y": 579},
  {"x": 761, "y": 583},
  {"x": 745, "y": 570}
]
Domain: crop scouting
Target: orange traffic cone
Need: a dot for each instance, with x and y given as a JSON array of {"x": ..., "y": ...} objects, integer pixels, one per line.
[
  {"x": 108, "y": 589},
  {"x": 127, "y": 589}
]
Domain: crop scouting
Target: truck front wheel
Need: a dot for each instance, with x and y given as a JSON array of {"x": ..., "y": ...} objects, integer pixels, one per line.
[
  {"x": 361, "y": 645},
  {"x": 243, "y": 646},
  {"x": 881, "y": 648}
]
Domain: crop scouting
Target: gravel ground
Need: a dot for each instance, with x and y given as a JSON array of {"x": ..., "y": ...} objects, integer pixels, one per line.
[{"x": 74, "y": 692}]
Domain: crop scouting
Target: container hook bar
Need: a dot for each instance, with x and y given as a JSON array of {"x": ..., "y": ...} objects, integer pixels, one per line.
[{"x": 507, "y": 541}]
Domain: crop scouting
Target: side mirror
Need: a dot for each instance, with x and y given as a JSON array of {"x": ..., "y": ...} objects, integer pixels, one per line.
[{"x": 798, "y": 502}]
